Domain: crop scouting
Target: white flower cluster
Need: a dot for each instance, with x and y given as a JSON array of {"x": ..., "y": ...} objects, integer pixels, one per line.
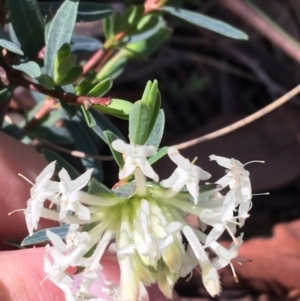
[{"x": 144, "y": 230}]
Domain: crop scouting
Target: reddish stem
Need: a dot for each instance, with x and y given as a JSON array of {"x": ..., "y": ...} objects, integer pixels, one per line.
[{"x": 67, "y": 97}]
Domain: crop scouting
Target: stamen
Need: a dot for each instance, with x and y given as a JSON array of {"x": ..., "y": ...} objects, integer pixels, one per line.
[
  {"x": 190, "y": 277},
  {"x": 26, "y": 179},
  {"x": 254, "y": 161},
  {"x": 236, "y": 242},
  {"x": 262, "y": 193},
  {"x": 235, "y": 277},
  {"x": 17, "y": 210},
  {"x": 195, "y": 159}
]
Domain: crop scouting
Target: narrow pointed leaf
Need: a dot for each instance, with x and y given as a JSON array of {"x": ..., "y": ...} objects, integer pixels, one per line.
[
  {"x": 139, "y": 123},
  {"x": 206, "y": 22},
  {"x": 157, "y": 131},
  {"x": 102, "y": 88},
  {"x": 60, "y": 32},
  {"x": 28, "y": 24}
]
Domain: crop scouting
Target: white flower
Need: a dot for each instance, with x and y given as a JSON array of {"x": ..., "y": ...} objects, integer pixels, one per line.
[
  {"x": 135, "y": 157},
  {"x": 236, "y": 175},
  {"x": 209, "y": 273},
  {"x": 186, "y": 174},
  {"x": 68, "y": 196},
  {"x": 42, "y": 190},
  {"x": 237, "y": 178}
]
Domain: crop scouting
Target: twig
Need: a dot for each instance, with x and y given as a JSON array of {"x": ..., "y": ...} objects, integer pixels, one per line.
[
  {"x": 67, "y": 97},
  {"x": 253, "y": 17},
  {"x": 48, "y": 105},
  {"x": 236, "y": 125},
  {"x": 93, "y": 61}
]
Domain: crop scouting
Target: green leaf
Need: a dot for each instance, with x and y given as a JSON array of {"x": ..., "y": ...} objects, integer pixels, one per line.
[
  {"x": 60, "y": 32},
  {"x": 40, "y": 237},
  {"x": 117, "y": 23},
  {"x": 206, "y": 22},
  {"x": 157, "y": 131},
  {"x": 46, "y": 81},
  {"x": 97, "y": 188},
  {"x": 28, "y": 24},
  {"x": 125, "y": 191},
  {"x": 161, "y": 152},
  {"x": 87, "y": 11},
  {"x": 99, "y": 123},
  {"x": 153, "y": 102},
  {"x": 63, "y": 52},
  {"x": 71, "y": 76},
  {"x": 5, "y": 94},
  {"x": 144, "y": 48},
  {"x": 108, "y": 28},
  {"x": 114, "y": 67},
  {"x": 30, "y": 68},
  {"x": 60, "y": 163},
  {"x": 65, "y": 66},
  {"x": 118, "y": 107},
  {"x": 101, "y": 88},
  {"x": 7, "y": 44},
  {"x": 110, "y": 137},
  {"x": 132, "y": 16},
  {"x": 138, "y": 123}
]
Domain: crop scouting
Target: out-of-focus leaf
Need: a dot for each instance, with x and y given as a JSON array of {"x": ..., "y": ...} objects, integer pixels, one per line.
[
  {"x": 28, "y": 24},
  {"x": 139, "y": 123},
  {"x": 144, "y": 48},
  {"x": 5, "y": 94},
  {"x": 82, "y": 44},
  {"x": 55, "y": 135},
  {"x": 97, "y": 188},
  {"x": 60, "y": 163},
  {"x": 30, "y": 68},
  {"x": 206, "y": 22},
  {"x": 110, "y": 137},
  {"x": 84, "y": 143},
  {"x": 87, "y": 11},
  {"x": 157, "y": 131},
  {"x": 118, "y": 107},
  {"x": 101, "y": 88},
  {"x": 161, "y": 152},
  {"x": 108, "y": 29},
  {"x": 114, "y": 67},
  {"x": 7, "y": 44},
  {"x": 40, "y": 237},
  {"x": 132, "y": 16},
  {"x": 149, "y": 29},
  {"x": 60, "y": 32},
  {"x": 100, "y": 123},
  {"x": 13, "y": 131}
]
